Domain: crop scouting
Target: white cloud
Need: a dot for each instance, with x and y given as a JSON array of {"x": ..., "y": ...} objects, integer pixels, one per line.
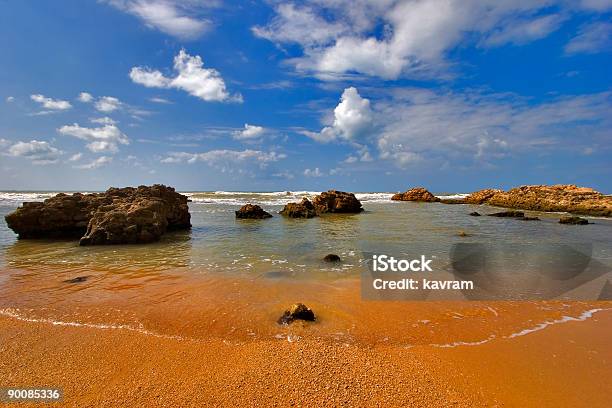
[
  {"x": 177, "y": 18},
  {"x": 95, "y": 164},
  {"x": 399, "y": 38},
  {"x": 101, "y": 139},
  {"x": 249, "y": 132},
  {"x": 10, "y": 99},
  {"x": 591, "y": 38},
  {"x": 75, "y": 157},
  {"x": 226, "y": 160},
  {"x": 160, "y": 100},
  {"x": 191, "y": 76},
  {"x": 104, "y": 121},
  {"x": 313, "y": 172},
  {"x": 352, "y": 119},
  {"x": 107, "y": 104},
  {"x": 49, "y": 103},
  {"x": 85, "y": 97},
  {"x": 287, "y": 175},
  {"x": 39, "y": 152}
]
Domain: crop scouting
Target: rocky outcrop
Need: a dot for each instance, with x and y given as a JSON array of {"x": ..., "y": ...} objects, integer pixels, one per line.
[
  {"x": 117, "y": 216},
  {"x": 251, "y": 211},
  {"x": 475, "y": 214},
  {"x": 303, "y": 209},
  {"x": 508, "y": 214},
  {"x": 333, "y": 201},
  {"x": 561, "y": 197},
  {"x": 297, "y": 311},
  {"x": 573, "y": 221},
  {"x": 416, "y": 194}
]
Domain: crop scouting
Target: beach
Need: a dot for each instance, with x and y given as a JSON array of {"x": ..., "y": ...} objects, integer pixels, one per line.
[{"x": 192, "y": 320}]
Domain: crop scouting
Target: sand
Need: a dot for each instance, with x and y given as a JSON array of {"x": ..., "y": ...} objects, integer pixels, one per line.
[{"x": 563, "y": 365}]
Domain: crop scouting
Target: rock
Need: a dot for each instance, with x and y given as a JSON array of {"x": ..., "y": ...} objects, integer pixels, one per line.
[
  {"x": 78, "y": 279},
  {"x": 303, "y": 209},
  {"x": 332, "y": 258},
  {"x": 452, "y": 201},
  {"x": 117, "y": 216},
  {"x": 475, "y": 214},
  {"x": 333, "y": 201},
  {"x": 463, "y": 234},
  {"x": 573, "y": 221},
  {"x": 253, "y": 212},
  {"x": 297, "y": 311},
  {"x": 530, "y": 219},
  {"x": 508, "y": 214},
  {"x": 561, "y": 197},
  {"x": 416, "y": 194}
]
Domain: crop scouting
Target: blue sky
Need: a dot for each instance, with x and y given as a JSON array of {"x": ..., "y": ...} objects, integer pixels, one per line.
[{"x": 273, "y": 95}]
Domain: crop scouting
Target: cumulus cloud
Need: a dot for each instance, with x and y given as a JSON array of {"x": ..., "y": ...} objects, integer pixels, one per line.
[
  {"x": 49, "y": 103},
  {"x": 75, "y": 157},
  {"x": 249, "y": 132},
  {"x": 352, "y": 119},
  {"x": 591, "y": 38},
  {"x": 85, "y": 97},
  {"x": 107, "y": 104},
  {"x": 39, "y": 152},
  {"x": 313, "y": 172},
  {"x": 104, "y": 121},
  {"x": 95, "y": 164},
  {"x": 101, "y": 139},
  {"x": 191, "y": 76},
  {"x": 343, "y": 37},
  {"x": 226, "y": 160},
  {"x": 10, "y": 99},
  {"x": 181, "y": 19}
]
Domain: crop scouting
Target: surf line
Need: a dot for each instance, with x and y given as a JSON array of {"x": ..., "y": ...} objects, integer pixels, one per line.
[{"x": 541, "y": 326}]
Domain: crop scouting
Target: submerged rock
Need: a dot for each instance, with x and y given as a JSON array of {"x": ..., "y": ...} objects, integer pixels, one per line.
[
  {"x": 508, "y": 214},
  {"x": 303, "y": 209},
  {"x": 463, "y": 234},
  {"x": 573, "y": 221},
  {"x": 332, "y": 258},
  {"x": 530, "y": 219},
  {"x": 416, "y": 194},
  {"x": 78, "y": 279},
  {"x": 117, "y": 216},
  {"x": 297, "y": 311},
  {"x": 252, "y": 212},
  {"x": 334, "y": 201},
  {"x": 475, "y": 214}
]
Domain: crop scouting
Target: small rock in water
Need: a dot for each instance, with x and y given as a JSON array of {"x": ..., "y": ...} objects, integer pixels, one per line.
[
  {"x": 297, "y": 311},
  {"x": 463, "y": 234},
  {"x": 253, "y": 212},
  {"x": 530, "y": 219},
  {"x": 475, "y": 214},
  {"x": 510, "y": 214},
  {"x": 332, "y": 258},
  {"x": 78, "y": 279},
  {"x": 573, "y": 221}
]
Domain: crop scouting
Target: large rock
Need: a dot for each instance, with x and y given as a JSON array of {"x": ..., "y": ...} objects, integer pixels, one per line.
[
  {"x": 297, "y": 311},
  {"x": 252, "y": 212},
  {"x": 573, "y": 221},
  {"x": 561, "y": 197},
  {"x": 416, "y": 194},
  {"x": 333, "y": 201},
  {"x": 117, "y": 216},
  {"x": 303, "y": 209}
]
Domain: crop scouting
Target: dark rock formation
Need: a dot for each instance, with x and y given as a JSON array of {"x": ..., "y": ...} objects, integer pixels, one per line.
[
  {"x": 508, "y": 214},
  {"x": 78, "y": 279},
  {"x": 568, "y": 198},
  {"x": 416, "y": 194},
  {"x": 333, "y": 201},
  {"x": 573, "y": 221},
  {"x": 332, "y": 258},
  {"x": 303, "y": 209},
  {"x": 530, "y": 219},
  {"x": 297, "y": 311},
  {"x": 253, "y": 212},
  {"x": 117, "y": 216},
  {"x": 475, "y": 214}
]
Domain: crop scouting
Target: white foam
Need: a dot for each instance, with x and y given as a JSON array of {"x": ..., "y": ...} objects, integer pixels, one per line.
[
  {"x": 457, "y": 196},
  {"x": 585, "y": 315}
]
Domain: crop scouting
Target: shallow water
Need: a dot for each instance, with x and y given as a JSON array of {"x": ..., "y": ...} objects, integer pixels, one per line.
[{"x": 232, "y": 278}]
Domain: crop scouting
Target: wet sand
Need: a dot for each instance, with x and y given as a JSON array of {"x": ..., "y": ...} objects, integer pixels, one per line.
[
  {"x": 180, "y": 340},
  {"x": 563, "y": 365}
]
